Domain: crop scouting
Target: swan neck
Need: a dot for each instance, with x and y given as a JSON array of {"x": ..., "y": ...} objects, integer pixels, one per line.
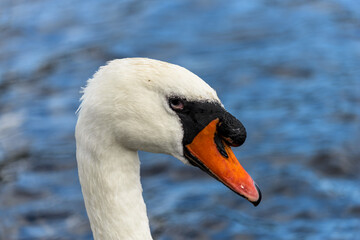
[{"x": 110, "y": 182}]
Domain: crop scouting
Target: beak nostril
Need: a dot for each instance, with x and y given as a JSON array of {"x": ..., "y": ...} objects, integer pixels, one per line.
[{"x": 220, "y": 146}]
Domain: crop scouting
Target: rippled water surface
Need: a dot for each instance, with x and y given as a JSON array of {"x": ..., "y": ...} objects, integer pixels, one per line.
[{"x": 289, "y": 70}]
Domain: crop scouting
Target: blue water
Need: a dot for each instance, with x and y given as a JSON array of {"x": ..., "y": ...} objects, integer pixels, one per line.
[{"x": 289, "y": 70}]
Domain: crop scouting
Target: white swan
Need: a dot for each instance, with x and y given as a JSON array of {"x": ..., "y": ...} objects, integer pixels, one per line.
[{"x": 142, "y": 104}]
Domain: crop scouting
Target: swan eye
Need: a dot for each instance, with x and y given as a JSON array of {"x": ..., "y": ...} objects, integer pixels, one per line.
[{"x": 176, "y": 104}]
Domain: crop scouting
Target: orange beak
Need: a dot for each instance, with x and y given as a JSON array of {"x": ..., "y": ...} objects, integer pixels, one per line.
[{"x": 222, "y": 165}]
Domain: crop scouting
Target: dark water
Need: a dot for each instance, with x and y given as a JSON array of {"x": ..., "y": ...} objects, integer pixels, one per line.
[{"x": 289, "y": 70}]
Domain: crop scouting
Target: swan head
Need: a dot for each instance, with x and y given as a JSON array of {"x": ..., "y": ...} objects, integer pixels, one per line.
[{"x": 154, "y": 106}]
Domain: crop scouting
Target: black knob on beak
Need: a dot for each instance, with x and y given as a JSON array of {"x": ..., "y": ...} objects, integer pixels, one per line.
[{"x": 231, "y": 130}]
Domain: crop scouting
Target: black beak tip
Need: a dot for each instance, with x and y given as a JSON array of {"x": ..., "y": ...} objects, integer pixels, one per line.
[{"x": 259, "y": 200}]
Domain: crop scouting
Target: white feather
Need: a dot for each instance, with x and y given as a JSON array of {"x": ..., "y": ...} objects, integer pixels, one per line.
[{"x": 124, "y": 109}]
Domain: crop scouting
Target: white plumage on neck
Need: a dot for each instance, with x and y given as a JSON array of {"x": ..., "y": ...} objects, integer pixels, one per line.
[{"x": 110, "y": 181}]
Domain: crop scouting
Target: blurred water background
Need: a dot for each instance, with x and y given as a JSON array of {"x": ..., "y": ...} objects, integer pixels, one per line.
[{"x": 288, "y": 69}]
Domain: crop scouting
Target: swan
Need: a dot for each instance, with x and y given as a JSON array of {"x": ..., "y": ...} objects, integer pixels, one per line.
[{"x": 136, "y": 104}]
